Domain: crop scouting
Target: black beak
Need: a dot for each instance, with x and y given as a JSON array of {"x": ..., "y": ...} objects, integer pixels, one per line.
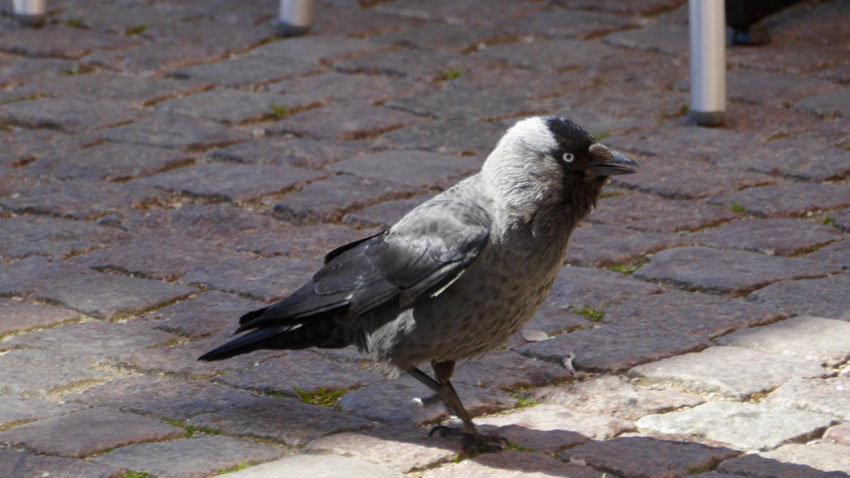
[{"x": 608, "y": 162}]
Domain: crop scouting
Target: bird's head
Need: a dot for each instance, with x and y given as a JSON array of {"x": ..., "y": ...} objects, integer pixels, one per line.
[{"x": 549, "y": 159}]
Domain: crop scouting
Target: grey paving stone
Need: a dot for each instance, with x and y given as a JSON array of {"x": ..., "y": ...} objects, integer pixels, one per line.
[
  {"x": 744, "y": 426},
  {"x": 298, "y": 152},
  {"x": 212, "y": 222},
  {"x": 110, "y": 161},
  {"x": 815, "y": 394},
  {"x": 244, "y": 71},
  {"x": 264, "y": 278},
  {"x": 196, "y": 456},
  {"x": 767, "y": 122},
  {"x": 155, "y": 57},
  {"x": 717, "y": 271},
  {"x": 549, "y": 22},
  {"x": 786, "y": 56},
  {"x": 654, "y": 105},
  {"x": 836, "y": 253},
  {"x": 232, "y": 182},
  {"x": 384, "y": 214},
  {"x": 232, "y": 106},
  {"x": 359, "y": 22},
  {"x": 93, "y": 430},
  {"x": 819, "y": 297},
  {"x": 168, "y": 398},
  {"x": 319, "y": 466},
  {"x": 448, "y": 37},
  {"x": 175, "y": 131},
  {"x": 718, "y": 370},
  {"x": 821, "y": 456},
  {"x": 772, "y": 87},
  {"x": 408, "y": 168},
  {"x": 800, "y": 157},
  {"x": 780, "y": 236},
  {"x": 17, "y": 71},
  {"x": 20, "y": 317},
  {"x": 613, "y": 396},
  {"x": 203, "y": 314},
  {"x": 60, "y": 41},
  {"x": 73, "y": 115},
  {"x": 342, "y": 121},
  {"x": 640, "y": 456},
  {"x": 717, "y": 145},
  {"x": 425, "y": 65},
  {"x": 557, "y": 417},
  {"x": 22, "y": 463},
  {"x": 21, "y": 145},
  {"x": 838, "y": 433},
  {"x": 447, "y": 137},
  {"x": 756, "y": 466},
  {"x": 839, "y": 73},
  {"x": 330, "y": 199},
  {"x": 597, "y": 245},
  {"x": 834, "y": 103},
  {"x": 513, "y": 464},
  {"x": 314, "y": 49},
  {"x": 135, "y": 90},
  {"x": 662, "y": 38},
  {"x": 556, "y": 55},
  {"x": 650, "y": 213},
  {"x": 32, "y": 372},
  {"x": 286, "y": 420},
  {"x": 307, "y": 242},
  {"x": 507, "y": 370},
  {"x": 811, "y": 338},
  {"x": 794, "y": 199},
  {"x": 17, "y": 410},
  {"x": 347, "y": 87},
  {"x": 467, "y": 104}
]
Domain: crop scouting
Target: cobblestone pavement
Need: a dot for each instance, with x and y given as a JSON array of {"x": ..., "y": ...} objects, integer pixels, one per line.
[{"x": 166, "y": 165}]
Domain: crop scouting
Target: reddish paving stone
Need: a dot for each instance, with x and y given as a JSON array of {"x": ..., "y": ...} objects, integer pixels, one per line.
[
  {"x": 756, "y": 466},
  {"x": 17, "y": 410},
  {"x": 766, "y": 122},
  {"x": 244, "y": 71},
  {"x": 232, "y": 182},
  {"x": 19, "y": 317},
  {"x": 512, "y": 464},
  {"x": 384, "y": 214},
  {"x": 92, "y": 431},
  {"x": 202, "y": 315},
  {"x": 794, "y": 199},
  {"x": 32, "y": 372},
  {"x": 447, "y": 37},
  {"x": 549, "y": 22},
  {"x": 447, "y": 137},
  {"x": 16, "y": 463},
  {"x": 330, "y": 199},
  {"x": 597, "y": 245},
  {"x": 467, "y": 104},
  {"x": 287, "y": 420},
  {"x": 134, "y": 90},
  {"x": 771, "y": 87},
  {"x": 718, "y": 271},
  {"x": 408, "y": 168},
  {"x": 196, "y": 456},
  {"x": 507, "y": 370},
  {"x": 347, "y": 87},
  {"x": 73, "y": 115},
  {"x": 342, "y": 121},
  {"x": 234, "y": 107},
  {"x": 653, "y": 214},
  {"x": 819, "y": 297},
  {"x": 175, "y": 131},
  {"x": 554, "y": 418},
  {"x": 60, "y": 41},
  {"x": 556, "y": 55},
  {"x": 636, "y": 69},
  {"x": 784, "y": 237},
  {"x": 314, "y": 49},
  {"x": 404, "y": 448},
  {"x": 638, "y": 457},
  {"x": 654, "y": 105},
  {"x": 264, "y": 278},
  {"x": 836, "y": 253}
]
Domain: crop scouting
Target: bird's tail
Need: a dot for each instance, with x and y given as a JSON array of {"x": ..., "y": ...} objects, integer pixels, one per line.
[{"x": 243, "y": 344}]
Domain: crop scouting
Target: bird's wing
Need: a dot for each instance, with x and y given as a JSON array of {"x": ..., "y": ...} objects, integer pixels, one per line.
[{"x": 420, "y": 256}]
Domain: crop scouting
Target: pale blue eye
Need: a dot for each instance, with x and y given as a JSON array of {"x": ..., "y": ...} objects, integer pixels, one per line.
[{"x": 568, "y": 157}]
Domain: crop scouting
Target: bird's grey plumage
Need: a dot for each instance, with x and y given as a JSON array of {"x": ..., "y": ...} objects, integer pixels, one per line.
[{"x": 460, "y": 273}]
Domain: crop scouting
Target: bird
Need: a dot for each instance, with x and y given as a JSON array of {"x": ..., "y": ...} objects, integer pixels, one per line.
[{"x": 457, "y": 275}]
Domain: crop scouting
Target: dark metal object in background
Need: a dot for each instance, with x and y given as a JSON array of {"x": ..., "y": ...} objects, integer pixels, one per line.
[{"x": 743, "y": 15}]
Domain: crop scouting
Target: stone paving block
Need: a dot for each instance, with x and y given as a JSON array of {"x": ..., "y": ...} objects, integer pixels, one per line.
[
  {"x": 307, "y": 242},
  {"x": 134, "y": 90},
  {"x": 318, "y": 466},
  {"x": 330, "y": 199},
  {"x": 557, "y": 418},
  {"x": 110, "y": 161},
  {"x": 653, "y": 214},
  {"x": 756, "y": 466},
  {"x": 286, "y": 420},
  {"x": 744, "y": 426},
  {"x": 661, "y": 38},
  {"x": 155, "y": 57},
  {"x": 507, "y": 370},
  {"x": 639, "y": 456},
  {"x": 512, "y": 464},
  {"x": 425, "y": 65},
  {"x": 839, "y": 73},
  {"x": 22, "y": 463},
  {"x": 653, "y": 105},
  {"x": 838, "y": 433},
  {"x": 811, "y": 338},
  {"x": 447, "y": 137},
  {"x": 298, "y": 152},
  {"x": 836, "y": 253},
  {"x": 26, "y": 144},
  {"x": 771, "y": 87},
  {"x": 786, "y": 56},
  {"x": 793, "y": 199},
  {"x": 342, "y": 121},
  {"x": 448, "y": 37},
  {"x": 833, "y": 103},
  {"x": 334, "y": 86},
  {"x": 679, "y": 178},
  {"x": 613, "y": 396},
  {"x": 196, "y": 456},
  {"x": 264, "y": 278},
  {"x": 232, "y": 182},
  {"x": 244, "y": 71},
  {"x": 300, "y": 370},
  {"x": 767, "y": 122},
  {"x": 32, "y": 372},
  {"x": 403, "y": 448},
  {"x": 60, "y": 41},
  {"x": 72, "y": 115},
  {"x": 550, "y": 22},
  {"x": 16, "y": 410},
  {"x": 392, "y": 401},
  {"x": 800, "y": 157},
  {"x": 231, "y": 106},
  {"x": 717, "y": 271},
  {"x": 821, "y": 456},
  {"x": 93, "y": 430},
  {"x": 819, "y": 297},
  {"x": 596, "y": 245},
  {"x": 211, "y": 222},
  {"x": 556, "y": 55},
  {"x": 384, "y": 214},
  {"x": 457, "y": 12},
  {"x": 314, "y": 49},
  {"x": 828, "y": 395},
  {"x": 718, "y": 370},
  {"x": 408, "y": 168},
  {"x": 717, "y": 145},
  {"x": 467, "y": 104},
  {"x": 175, "y": 131},
  {"x": 203, "y": 314},
  {"x": 19, "y": 71},
  {"x": 20, "y": 317},
  {"x": 779, "y": 236},
  {"x": 841, "y": 219}
]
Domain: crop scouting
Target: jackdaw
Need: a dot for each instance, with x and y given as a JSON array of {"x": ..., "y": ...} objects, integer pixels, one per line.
[{"x": 458, "y": 274}]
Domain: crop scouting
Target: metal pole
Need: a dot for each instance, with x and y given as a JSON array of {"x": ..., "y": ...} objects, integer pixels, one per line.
[
  {"x": 708, "y": 61},
  {"x": 296, "y": 16},
  {"x": 30, "y": 13}
]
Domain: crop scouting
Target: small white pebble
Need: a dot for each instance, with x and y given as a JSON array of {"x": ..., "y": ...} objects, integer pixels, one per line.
[{"x": 258, "y": 132}]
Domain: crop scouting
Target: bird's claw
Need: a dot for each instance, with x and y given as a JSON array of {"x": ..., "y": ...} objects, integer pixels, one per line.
[{"x": 473, "y": 443}]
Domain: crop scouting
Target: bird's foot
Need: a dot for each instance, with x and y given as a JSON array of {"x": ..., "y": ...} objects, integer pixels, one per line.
[{"x": 474, "y": 443}]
